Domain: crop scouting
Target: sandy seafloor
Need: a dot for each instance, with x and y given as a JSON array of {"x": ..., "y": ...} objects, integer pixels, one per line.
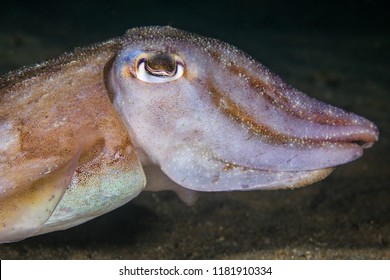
[{"x": 338, "y": 55}]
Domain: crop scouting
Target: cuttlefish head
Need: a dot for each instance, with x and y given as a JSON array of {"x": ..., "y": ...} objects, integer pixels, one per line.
[{"x": 215, "y": 119}]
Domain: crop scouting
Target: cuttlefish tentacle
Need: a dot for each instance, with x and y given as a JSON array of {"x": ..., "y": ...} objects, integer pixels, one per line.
[{"x": 189, "y": 113}]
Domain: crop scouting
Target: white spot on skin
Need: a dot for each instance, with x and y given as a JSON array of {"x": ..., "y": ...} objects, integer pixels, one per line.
[{"x": 9, "y": 141}]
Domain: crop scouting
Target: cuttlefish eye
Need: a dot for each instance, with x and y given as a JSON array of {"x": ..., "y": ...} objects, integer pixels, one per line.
[{"x": 159, "y": 68}]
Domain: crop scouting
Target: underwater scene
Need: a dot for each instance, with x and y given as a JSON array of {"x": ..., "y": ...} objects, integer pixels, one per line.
[{"x": 336, "y": 52}]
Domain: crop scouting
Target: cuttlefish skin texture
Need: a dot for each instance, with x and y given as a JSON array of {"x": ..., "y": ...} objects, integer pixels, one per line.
[{"x": 158, "y": 108}]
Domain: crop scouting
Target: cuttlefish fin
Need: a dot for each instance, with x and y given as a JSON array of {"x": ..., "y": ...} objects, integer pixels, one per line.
[{"x": 25, "y": 207}]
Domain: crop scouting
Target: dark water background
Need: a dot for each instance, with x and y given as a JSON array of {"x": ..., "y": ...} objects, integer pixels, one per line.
[{"x": 336, "y": 51}]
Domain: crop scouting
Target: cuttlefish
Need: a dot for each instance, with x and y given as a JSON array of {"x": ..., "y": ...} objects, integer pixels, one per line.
[{"x": 156, "y": 109}]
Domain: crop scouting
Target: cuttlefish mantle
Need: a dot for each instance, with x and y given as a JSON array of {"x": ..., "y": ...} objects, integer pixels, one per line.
[{"x": 158, "y": 108}]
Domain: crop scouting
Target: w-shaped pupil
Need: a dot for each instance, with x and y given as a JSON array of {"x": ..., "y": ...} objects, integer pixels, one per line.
[{"x": 161, "y": 65}]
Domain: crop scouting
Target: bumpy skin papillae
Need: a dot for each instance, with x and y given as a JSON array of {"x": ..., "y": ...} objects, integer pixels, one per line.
[
  {"x": 47, "y": 114},
  {"x": 226, "y": 124}
]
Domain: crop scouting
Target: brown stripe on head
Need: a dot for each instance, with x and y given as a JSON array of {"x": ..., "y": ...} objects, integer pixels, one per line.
[
  {"x": 277, "y": 98},
  {"x": 237, "y": 113}
]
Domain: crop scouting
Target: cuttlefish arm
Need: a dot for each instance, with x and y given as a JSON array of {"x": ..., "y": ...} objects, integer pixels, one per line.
[
  {"x": 196, "y": 113},
  {"x": 214, "y": 119}
]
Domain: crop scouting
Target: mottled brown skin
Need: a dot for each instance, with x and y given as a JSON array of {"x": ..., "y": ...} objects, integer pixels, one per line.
[
  {"x": 20, "y": 208},
  {"x": 80, "y": 98},
  {"x": 57, "y": 109}
]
